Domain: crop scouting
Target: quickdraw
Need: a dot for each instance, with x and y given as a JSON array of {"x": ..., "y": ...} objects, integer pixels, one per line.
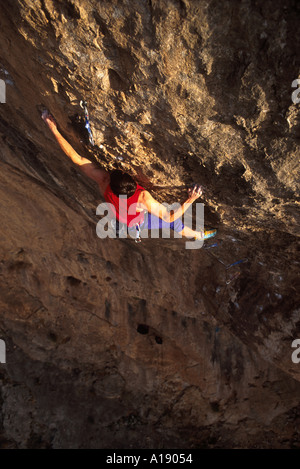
[
  {"x": 83, "y": 105},
  {"x": 211, "y": 246},
  {"x": 138, "y": 238},
  {"x": 236, "y": 263}
]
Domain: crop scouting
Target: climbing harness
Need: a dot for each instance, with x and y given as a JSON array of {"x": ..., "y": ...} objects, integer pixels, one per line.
[
  {"x": 119, "y": 228},
  {"x": 83, "y": 105}
]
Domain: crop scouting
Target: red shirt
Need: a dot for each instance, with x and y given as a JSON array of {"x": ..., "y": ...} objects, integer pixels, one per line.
[{"x": 123, "y": 204}]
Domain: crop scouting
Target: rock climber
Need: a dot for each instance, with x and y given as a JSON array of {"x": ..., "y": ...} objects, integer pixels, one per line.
[{"x": 145, "y": 211}]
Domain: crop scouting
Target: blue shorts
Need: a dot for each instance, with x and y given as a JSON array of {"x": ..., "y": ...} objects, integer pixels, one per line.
[{"x": 152, "y": 222}]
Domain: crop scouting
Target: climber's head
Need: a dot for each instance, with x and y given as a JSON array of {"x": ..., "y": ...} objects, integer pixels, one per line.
[{"x": 122, "y": 183}]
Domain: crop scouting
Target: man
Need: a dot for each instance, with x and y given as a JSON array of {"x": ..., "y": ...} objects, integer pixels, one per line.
[{"x": 130, "y": 210}]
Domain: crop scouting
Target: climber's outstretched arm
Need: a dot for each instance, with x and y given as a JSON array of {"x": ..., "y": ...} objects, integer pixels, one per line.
[
  {"x": 159, "y": 210},
  {"x": 90, "y": 169}
]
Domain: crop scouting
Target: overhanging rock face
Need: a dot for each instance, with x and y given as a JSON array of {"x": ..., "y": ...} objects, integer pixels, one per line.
[{"x": 115, "y": 344}]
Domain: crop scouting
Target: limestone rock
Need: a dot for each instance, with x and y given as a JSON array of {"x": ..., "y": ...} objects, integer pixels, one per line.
[{"x": 117, "y": 345}]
